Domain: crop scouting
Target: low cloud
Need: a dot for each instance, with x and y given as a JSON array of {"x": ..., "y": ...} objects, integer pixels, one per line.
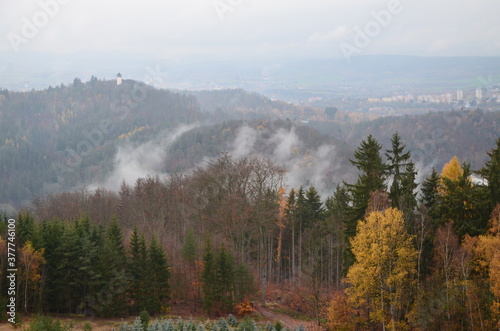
[
  {"x": 244, "y": 143},
  {"x": 137, "y": 161},
  {"x": 305, "y": 167}
]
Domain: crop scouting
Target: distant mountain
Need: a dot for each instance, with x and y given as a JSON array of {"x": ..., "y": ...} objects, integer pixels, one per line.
[
  {"x": 433, "y": 138},
  {"x": 298, "y": 79}
]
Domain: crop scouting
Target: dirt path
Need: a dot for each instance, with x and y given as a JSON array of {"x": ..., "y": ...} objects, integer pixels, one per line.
[{"x": 287, "y": 321}]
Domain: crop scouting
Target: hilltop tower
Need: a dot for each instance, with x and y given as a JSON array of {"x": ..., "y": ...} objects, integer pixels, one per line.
[{"x": 119, "y": 79}]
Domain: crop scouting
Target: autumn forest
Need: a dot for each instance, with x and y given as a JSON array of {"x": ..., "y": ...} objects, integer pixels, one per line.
[{"x": 382, "y": 252}]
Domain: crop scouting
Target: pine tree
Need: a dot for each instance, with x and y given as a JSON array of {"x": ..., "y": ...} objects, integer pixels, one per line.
[
  {"x": 190, "y": 248},
  {"x": 337, "y": 209},
  {"x": 313, "y": 208},
  {"x": 408, "y": 198},
  {"x": 398, "y": 161},
  {"x": 315, "y": 234},
  {"x": 291, "y": 216},
  {"x": 372, "y": 177},
  {"x": 110, "y": 299},
  {"x": 225, "y": 279},
  {"x": 67, "y": 276},
  {"x": 208, "y": 278},
  {"x": 158, "y": 276},
  {"x": 464, "y": 204},
  {"x": 430, "y": 195},
  {"x": 301, "y": 216},
  {"x": 26, "y": 230},
  {"x": 243, "y": 282},
  {"x": 137, "y": 269},
  {"x": 51, "y": 234},
  {"x": 491, "y": 172},
  {"x": 88, "y": 277}
]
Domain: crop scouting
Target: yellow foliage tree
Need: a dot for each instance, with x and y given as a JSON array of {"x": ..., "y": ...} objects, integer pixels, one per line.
[
  {"x": 30, "y": 263},
  {"x": 452, "y": 170},
  {"x": 384, "y": 268},
  {"x": 487, "y": 250}
]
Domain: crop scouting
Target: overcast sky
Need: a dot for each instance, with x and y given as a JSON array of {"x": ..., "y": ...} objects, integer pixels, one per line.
[{"x": 247, "y": 29}]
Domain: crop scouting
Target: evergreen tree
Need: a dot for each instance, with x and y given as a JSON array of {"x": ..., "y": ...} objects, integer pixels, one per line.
[
  {"x": 430, "y": 194},
  {"x": 208, "y": 278},
  {"x": 51, "y": 233},
  {"x": 88, "y": 276},
  {"x": 67, "y": 276},
  {"x": 225, "y": 279},
  {"x": 315, "y": 235},
  {"x": 190, "y": 248},
  {"x": 26, "y": 230},
  {"x": 398, "y": 161},
  {"x": 291, "y": 216},
  {"x": 491, "y": 172},
  {"x": 465, "y": 204},
  {"x": 372, "y": 177},
  {"x": 137, "y": 269},
  {"x": 110, "y": 299},
  {"x": 301, "y": 219},
  {"x": 337, "y": 209},
  {"x": 243, "y": 282},
  {"x": 313, "y": 208},
  {"x": 408, "y": 198},
  {"x": 158, "y": 276}
]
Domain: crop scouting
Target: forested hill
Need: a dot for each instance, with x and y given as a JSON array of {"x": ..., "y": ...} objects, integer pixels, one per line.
[
  {"x": 63, "y": 137},
  {"x": 55, "y": 138},
  {"x": 240, "y": 104},
  {"x": 433, "y": 138}
]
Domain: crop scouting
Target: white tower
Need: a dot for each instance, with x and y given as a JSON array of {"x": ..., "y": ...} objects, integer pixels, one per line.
[{"x": 119, "y": 79}]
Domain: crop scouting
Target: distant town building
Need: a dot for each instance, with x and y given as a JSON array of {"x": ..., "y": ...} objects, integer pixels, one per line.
[
  {"x": 479, "y": 93},
  {"x": 119, "y": 79},
  {"x": 460, "y": 95}
]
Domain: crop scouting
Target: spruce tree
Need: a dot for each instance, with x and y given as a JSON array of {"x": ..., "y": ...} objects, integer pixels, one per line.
[
  {"x": 291, "y": 216},
  {"x": 243, "y": 282},
  {"x": 26, "y": 230},
  {"x": 372, "y": 177},
  {"x": 430, "y": 195},
  {"x": 208, "y": 278},
  {"x": 158, "y": 276},
  {"x": 401, "y": 168},
  {"x": 190, "y": 248},
  {"x": 110, "y": 300},
  {"x": 465, "y": 204},
  {"x": 51, "y": 234},
  {"x": 224, "y": 285},
  {"x": 313, "y": 208},
  {"x": 137, "y": 270},
  {"x": 491, "y": 172},
  {"x": 67, "y": 274},
  {"x": 408, "y": 198},
  {"x": 337, "y": 209}
]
